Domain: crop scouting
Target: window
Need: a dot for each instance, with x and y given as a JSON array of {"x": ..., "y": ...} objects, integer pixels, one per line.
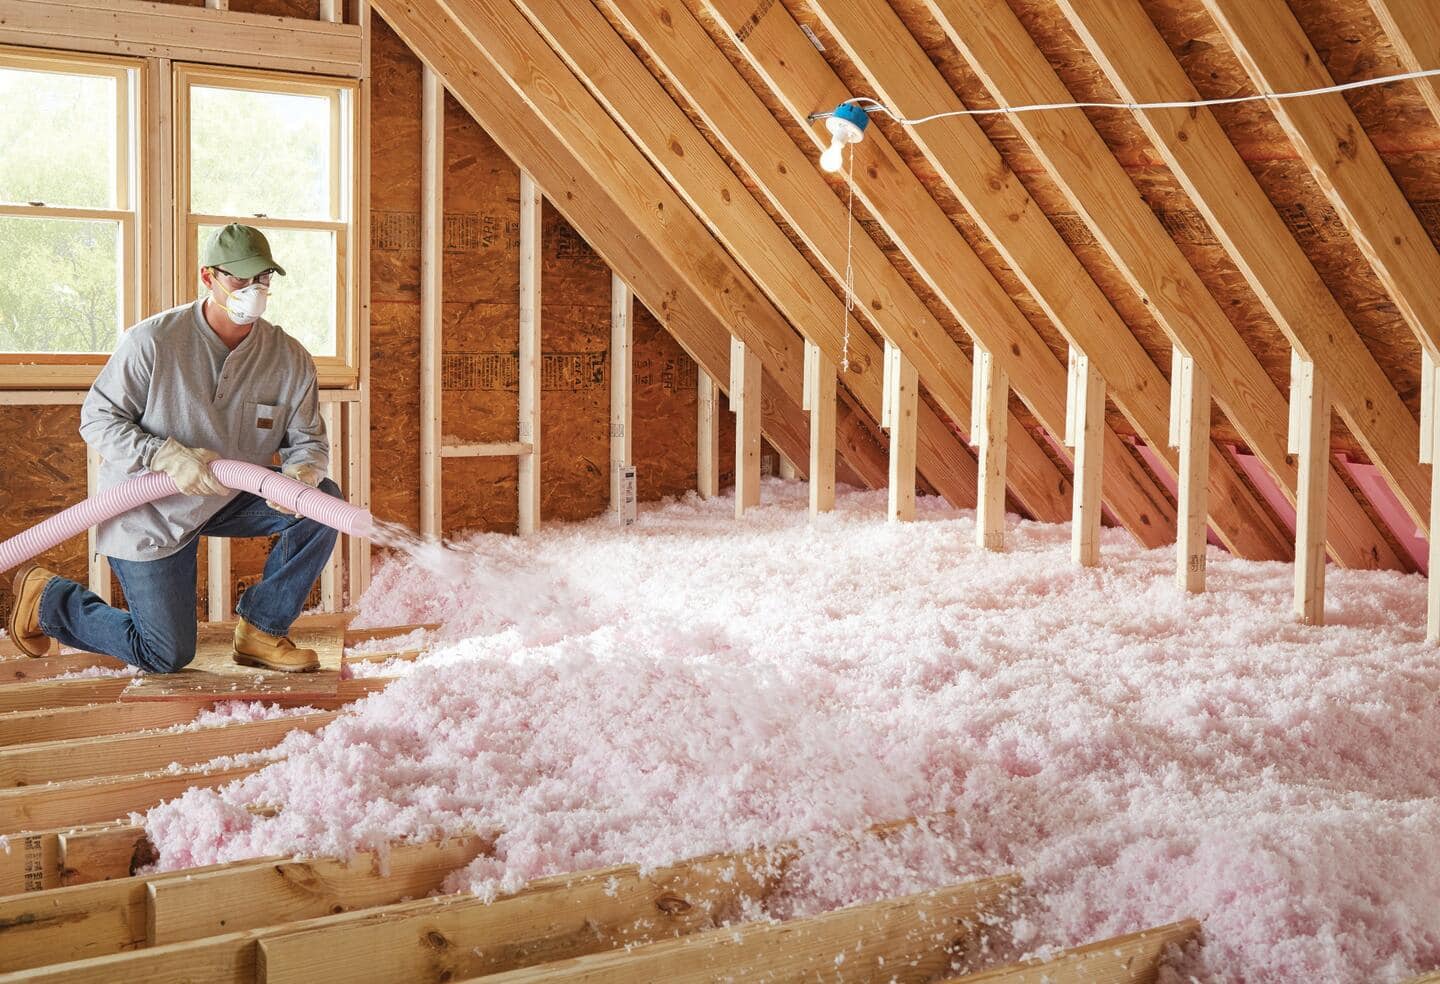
[
  {"x": 68, "y": 281},
  {"x": 274, "y": 152}
]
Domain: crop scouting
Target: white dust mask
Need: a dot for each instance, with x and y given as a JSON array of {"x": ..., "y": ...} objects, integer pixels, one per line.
[{"x": 246, "y": 304}]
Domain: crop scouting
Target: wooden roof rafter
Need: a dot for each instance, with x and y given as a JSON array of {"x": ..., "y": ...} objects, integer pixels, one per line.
[
  {"x": 1140, "y": 65},
  {"x": 1278, "y": 56},
  {"x": 1012, "y": 67},
  {"x": 881, "y": 47},
  {"x": 619, "y": 81},
  {"x": 790, "y": 182},
  {"x": 803, "y": 82},
  {"x": 1414, "y": 30}
]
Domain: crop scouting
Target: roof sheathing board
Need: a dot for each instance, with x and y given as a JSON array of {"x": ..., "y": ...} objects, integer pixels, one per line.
[
  {"x": 1141, "y": 163},
  {"x": 1353, "y": 47}
]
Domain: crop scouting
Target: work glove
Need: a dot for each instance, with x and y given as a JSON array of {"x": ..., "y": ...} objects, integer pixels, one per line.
[
  {"x": 189, "y": 467},
  {"x": 307, "y": 474}
]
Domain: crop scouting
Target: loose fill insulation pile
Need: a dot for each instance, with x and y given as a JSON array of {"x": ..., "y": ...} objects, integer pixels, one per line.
[{"x": 692, "y": 684}]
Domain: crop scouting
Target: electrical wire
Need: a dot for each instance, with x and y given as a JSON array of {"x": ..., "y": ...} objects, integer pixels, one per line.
[{"x": 871, "y": 105}]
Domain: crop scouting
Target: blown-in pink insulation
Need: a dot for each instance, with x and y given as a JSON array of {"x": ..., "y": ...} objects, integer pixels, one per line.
[{"x": 694, "y": 683}]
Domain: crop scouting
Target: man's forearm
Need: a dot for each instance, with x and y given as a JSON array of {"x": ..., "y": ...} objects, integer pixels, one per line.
[{"x": 118, "y": 439}]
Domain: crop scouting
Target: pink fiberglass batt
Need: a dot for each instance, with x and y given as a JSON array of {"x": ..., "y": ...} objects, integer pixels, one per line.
[{"x": 692, "y": 683}]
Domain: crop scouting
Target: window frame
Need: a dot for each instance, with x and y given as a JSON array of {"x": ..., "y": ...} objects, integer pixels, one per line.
[
  {"x": 31, "y": 370},
  {"x": 341, "y": 367}
]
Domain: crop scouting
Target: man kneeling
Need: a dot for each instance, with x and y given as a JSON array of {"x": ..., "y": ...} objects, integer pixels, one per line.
[{"x": 199, "y": 382}]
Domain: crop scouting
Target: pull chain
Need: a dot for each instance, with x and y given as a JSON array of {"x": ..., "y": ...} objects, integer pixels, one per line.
[{"x": 849, "y": 244}]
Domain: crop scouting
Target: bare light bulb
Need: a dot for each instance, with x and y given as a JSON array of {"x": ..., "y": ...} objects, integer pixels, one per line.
[{"x": 846, "y": 126}]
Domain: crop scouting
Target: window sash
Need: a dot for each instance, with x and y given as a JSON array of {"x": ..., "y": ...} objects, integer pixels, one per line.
[
  {"x": 336, "y": 357},
  {"x": 342, "y": 94},
  {"x": 51, "y": 369},
  {"x": 125, "y": 72},
  {"x": 140, "y": 83}
]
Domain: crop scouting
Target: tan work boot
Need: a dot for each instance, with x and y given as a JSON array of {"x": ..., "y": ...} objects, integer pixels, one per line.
[
  {"x": 256, "y": 648},
  {"x": 24, "y": 622}
]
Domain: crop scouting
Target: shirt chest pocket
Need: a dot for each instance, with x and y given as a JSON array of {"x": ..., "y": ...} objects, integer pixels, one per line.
[{"x": 263, "y": 425}]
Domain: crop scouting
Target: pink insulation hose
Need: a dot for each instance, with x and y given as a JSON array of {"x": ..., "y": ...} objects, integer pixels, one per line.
[{"x": 239, "y": 475}]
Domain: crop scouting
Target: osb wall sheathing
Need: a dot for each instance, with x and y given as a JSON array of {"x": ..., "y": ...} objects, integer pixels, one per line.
[
  {"x": 44, "y": 473},
  {"x": 480, "y": 324}
]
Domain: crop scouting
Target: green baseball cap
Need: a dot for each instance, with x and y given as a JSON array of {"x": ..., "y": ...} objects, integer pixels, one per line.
[{"x": 241, "y": 250}]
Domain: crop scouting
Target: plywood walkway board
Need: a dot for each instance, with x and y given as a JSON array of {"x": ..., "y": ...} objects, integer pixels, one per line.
[
  {"x": 1279, "y": 57},
  {"x": 996, "y": 45},
  {"x": 142, "y": 28},
  {"x": 645, "y": 111},
  {"x": 967, "y": 162},
  {"x": 904, "y": 940},
  {"x": 214, "y": 674},
  {"x": 551, "y": 919},
  {"x": 802, "y": 80},
  {"x": 144, "y": 751},
  {"x": 695, "y": 309},
  {"x": 1132, "y": 959},
  {"x": 1140, "y": 65}
]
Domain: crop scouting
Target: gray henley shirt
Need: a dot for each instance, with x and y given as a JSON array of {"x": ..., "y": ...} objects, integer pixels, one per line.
[{"x": 172, "y": 376}]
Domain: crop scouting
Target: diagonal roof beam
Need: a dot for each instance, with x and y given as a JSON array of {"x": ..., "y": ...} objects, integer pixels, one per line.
[
  {"x": 590, "y": 207},
  {"x": 1413, "y": 27},
  {"x": 1001, "y": 52},
  {"x": 619, "y": 81},
  {"x": 882, "y": 48},
  {"x": 1140, "y": 65},
  {"x": 803, "y": 81},
  {"x": 1278, "y": 56}
]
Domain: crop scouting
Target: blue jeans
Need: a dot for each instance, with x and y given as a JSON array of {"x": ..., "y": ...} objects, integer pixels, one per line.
[{"x": 158, "y": 633}]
